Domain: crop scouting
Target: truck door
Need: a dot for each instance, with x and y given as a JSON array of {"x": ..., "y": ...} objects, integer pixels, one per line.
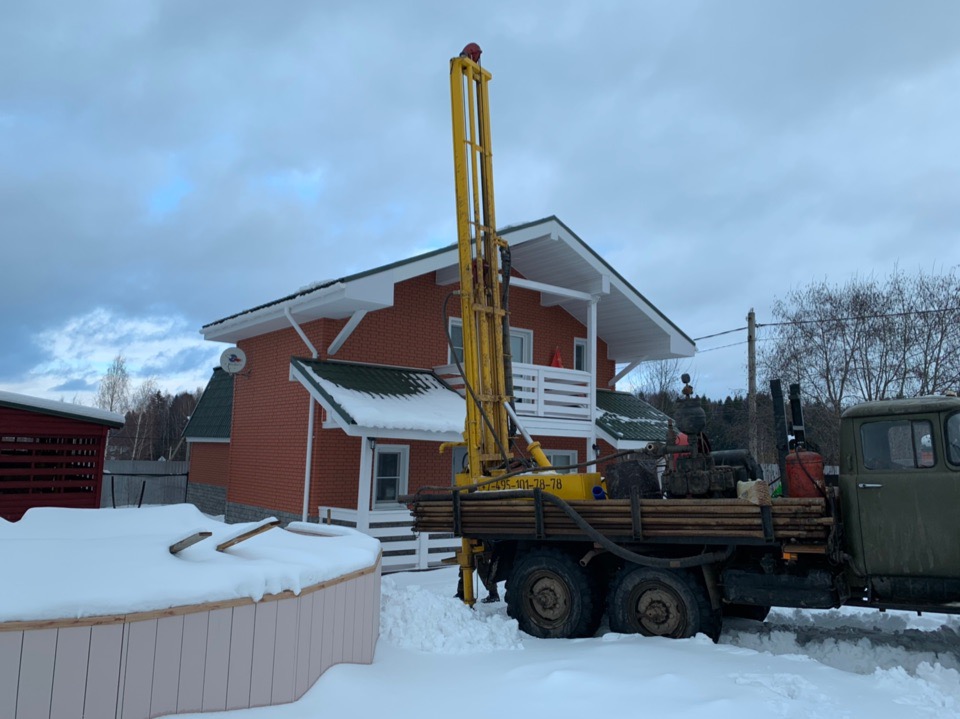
[{"x": 908, "y": 492}]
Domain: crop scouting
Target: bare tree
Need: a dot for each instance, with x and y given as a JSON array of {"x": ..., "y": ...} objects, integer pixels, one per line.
[
  {"x": 658, "y": 382},
  {"x": 142, "y": 430},
  {"x": 869, "y": 339},
  {"x": 113, "y": 394}
]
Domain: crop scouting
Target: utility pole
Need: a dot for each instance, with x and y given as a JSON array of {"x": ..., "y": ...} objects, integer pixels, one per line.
[{"x": 752, "y": 381}]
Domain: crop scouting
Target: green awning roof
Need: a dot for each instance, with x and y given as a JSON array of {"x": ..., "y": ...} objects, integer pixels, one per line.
[
  {"x": 380, "y": 399},
  {"x": 627, "y": 418},
  {"x": 212, "y": 416}
]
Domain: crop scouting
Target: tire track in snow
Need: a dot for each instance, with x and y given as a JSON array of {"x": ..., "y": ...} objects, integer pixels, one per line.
[{"x": 852, "y": 645}]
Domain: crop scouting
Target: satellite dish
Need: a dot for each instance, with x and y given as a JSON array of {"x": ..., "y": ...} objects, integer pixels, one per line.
[{"x": 233, "y": 360}]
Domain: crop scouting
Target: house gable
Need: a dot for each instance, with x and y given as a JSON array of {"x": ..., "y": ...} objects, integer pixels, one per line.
[{"x": 551, "y": 259}]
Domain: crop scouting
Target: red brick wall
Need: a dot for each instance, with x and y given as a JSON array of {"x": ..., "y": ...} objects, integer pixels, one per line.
[
  {"x": 268, "y": 440},
  {"x": 411, "y": 333},
  {"x": 210, "y": 463},
  {"x": 554, "y": 327},
  {"x": 269, "y": 427}
]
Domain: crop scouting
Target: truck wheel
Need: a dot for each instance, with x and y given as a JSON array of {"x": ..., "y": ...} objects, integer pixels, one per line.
[
  {"x": 746, "y": 611},
  {"x": 654, "y": 602},
  {"x": 552, "y": 596}
]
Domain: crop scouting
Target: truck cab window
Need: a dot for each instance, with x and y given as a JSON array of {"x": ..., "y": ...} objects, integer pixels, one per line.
[
  {"x": 901, "y": 444},
  {"x": 953, "y": 438}
]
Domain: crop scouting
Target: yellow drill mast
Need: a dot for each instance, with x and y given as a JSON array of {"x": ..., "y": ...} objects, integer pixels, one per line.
[
  {"x": 480, "y": 285},
  {"x": 484, "y": 271}
]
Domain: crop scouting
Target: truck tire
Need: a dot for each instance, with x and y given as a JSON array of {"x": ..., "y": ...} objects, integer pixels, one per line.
[
  {"x": 658, "y": 603},
  {"x": 552, "y": 597}
]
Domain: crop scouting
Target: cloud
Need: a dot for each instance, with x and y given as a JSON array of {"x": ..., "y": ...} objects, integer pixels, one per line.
[
  {"x": 76, "y": 386},
  {"x": 78, "y": 352},
  {"x": 190, "y": 160}
]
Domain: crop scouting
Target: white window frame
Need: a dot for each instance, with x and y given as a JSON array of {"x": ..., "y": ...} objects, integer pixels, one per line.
[
  {"x": 527, "y": 336},
  {"x": 561, "y": 458},
  {"x": 403, "y": 467},
  {"x": 454, "y": 322},
  {"x": 580, "y": 342}
]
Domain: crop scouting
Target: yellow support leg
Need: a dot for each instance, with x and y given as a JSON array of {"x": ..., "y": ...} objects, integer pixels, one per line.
[{"x": 465, "y": 558}]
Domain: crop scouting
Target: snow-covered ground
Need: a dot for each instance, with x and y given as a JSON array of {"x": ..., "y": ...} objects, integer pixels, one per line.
[{"x": 436, "y": 658}]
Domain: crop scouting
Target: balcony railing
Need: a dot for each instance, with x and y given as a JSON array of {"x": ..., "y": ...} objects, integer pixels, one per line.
[{"x": 540, "y": 391}]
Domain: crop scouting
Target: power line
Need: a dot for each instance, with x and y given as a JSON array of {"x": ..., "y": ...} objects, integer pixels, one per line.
[
  {"x": 718, "y": 334},
  {"x": 732, "y": 344},
  {"x": 885, "y": 315}
]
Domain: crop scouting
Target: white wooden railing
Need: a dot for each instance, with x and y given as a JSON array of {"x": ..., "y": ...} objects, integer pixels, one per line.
[
  {"x": 402, "y": 549},
  {"x": 540, "y": 391}
]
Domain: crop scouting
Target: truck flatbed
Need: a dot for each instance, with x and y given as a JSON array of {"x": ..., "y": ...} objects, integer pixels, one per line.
[{"x": 503, "y": 515}]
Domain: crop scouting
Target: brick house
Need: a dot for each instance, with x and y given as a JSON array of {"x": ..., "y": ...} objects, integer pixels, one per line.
[{"x": 350, "y": 384}]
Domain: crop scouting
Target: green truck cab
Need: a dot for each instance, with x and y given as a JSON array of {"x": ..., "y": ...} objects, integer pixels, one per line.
[{"x": 900, "y": 501}]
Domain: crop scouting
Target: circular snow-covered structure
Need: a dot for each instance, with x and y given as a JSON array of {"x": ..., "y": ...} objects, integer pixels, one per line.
[{"x": 101, "y": 618}]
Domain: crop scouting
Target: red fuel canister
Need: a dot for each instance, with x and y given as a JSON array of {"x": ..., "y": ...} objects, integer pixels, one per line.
[{"x": 805, "y": 474}]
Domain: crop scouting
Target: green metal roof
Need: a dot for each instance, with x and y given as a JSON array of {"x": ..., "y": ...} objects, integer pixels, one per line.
[
  {"x": 628, "y": 418},
  {"x": 212, "y": 416},
  {"x": 383, "y": 397}
]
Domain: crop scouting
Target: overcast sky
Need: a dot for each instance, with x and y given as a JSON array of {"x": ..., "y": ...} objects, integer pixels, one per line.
[{"x": 165, "y": 164}]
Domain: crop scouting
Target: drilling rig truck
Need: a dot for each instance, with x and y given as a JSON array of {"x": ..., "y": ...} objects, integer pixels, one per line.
[{"x": 675, "y": 537}]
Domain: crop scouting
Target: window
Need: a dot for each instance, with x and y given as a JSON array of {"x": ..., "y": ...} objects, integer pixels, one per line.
[
  {"x": 897, "y": 444},
  {"x": 580, "y": 354},
  {"x": 521, "y": 343},
  {"x": 456, "y": 339},
  {"x": 459, "y": 462},
  {"x": 562, "y": 458},
  {"x": 391, "y": 464},
  {"x": 953, "y": 438}
]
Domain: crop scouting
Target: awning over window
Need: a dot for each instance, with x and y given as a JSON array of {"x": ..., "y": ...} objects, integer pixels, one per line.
[{"x": 380, "y": 401}]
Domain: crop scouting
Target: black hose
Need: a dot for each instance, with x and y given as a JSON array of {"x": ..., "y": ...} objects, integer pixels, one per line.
[
  {"x": 643, "y": 560},
  {"x": 506, "y": 265}
]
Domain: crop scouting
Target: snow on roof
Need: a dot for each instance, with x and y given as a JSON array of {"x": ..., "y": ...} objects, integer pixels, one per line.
[
  {"x": 71, "y": 563},
  {"x": 425, "y": 404},
  {"x": 59, "y": 409}
]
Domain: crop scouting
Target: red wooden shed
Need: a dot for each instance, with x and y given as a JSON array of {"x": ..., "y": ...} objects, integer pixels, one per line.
[{"x": 51, "y": 453}]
